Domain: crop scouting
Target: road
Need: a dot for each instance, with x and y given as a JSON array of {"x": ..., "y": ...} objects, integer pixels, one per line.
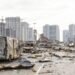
[{"x": 63, "y": 66}]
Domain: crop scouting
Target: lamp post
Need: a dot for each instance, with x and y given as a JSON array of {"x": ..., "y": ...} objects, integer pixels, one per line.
[
  {"x": 34, "y": 34},
  {"x": 34, "y": 48}
]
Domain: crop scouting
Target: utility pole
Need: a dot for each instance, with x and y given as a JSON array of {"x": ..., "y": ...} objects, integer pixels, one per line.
[
  {"x": 34, "y": 48},
  {"x": 34, "y": 33}
]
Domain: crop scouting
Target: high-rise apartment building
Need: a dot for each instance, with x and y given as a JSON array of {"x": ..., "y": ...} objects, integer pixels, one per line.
[
  {"x": 13, "y": 24},
  {"x": 66, "y": 36},
  {"x": 24, "y": 31},
  {"x": 69, "y": 35},
  {"x": 54, "y": 32},
  {"x": 51, "y": 32},
  {"x": 30, "y": 34},
  {"x": 2, "y": 29},
  {"x": 46, "y": 31},
  {"x": 72, "y": 32}
]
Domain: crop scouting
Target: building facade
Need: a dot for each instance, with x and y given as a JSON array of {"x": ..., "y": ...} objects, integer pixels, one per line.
[
  {"x": 10, "y": 32},
  {"x": 46, "y": 30},
  {"x": 28, "y": 33},
  {"x": 13, "y": 25},
  {"x": 24, "y": 31},
  {"x": 54, "y": 32},
  {"x": 51, "y": 32},
  {"x": 66, "y": 36},
  {"x": 31, "y": 34},
  {"x": 72, "y": 32},
  {"x": 69, "y": 35},
  {"x": 2, "y": 29}
]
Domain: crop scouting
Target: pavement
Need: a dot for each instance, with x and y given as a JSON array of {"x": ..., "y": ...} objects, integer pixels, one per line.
[{"x": 58, "y": 66}]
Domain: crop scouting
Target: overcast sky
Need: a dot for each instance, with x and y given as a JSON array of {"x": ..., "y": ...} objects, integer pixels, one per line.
[{"x": 59, "y": 12}]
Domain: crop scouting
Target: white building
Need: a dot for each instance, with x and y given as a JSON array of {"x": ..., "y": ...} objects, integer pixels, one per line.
[
  {"x": 30, "y": 34},
  {"x": 51, "y": 32},
  {"x": 54, "y": 32},
  {"x": 27, "y": 33},
  {"x": 13, "y": 24},
  {"x": 24, "y": 31},
  {"x": 46, "y": 30},
  {"x": 10, "y": 32},
  {"x": 66, "y": 36},
  {"x": 72, "y": 32},
  {"x": 2, "y": 29}
]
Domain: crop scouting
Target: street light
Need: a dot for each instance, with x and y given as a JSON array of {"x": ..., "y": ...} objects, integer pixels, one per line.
[{"x": 34, "y": 33}]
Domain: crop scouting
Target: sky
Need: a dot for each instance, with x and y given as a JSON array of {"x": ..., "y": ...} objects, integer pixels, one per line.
[{"x": 41, "y": 12}]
